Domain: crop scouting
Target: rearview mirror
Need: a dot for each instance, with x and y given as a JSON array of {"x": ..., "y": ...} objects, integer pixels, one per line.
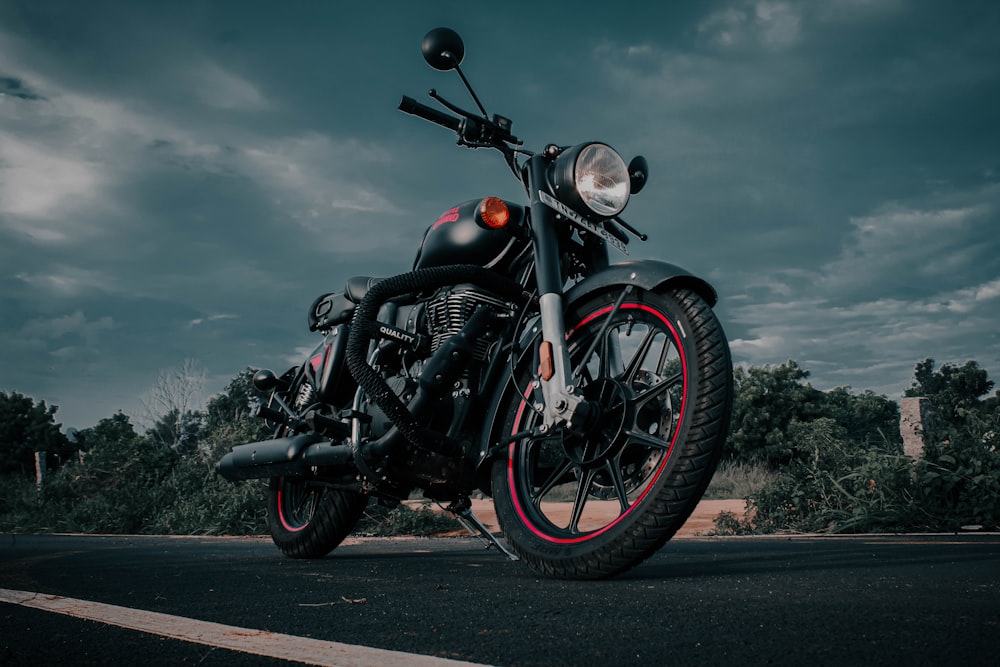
[
  {"x": 638, "y": 172},
  {"x": 443, "y": 49}
]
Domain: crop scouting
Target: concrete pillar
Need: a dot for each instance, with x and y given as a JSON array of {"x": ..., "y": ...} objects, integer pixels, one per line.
[
  {"x": 912, "y": 412},
  {"x": 39, "y": 469}
]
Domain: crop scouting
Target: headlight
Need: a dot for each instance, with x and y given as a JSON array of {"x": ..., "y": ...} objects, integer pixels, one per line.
[{"x": 593, "y": 175}]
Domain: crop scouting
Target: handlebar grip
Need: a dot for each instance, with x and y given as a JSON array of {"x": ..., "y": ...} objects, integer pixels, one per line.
[{"x": 415, "y": 108}]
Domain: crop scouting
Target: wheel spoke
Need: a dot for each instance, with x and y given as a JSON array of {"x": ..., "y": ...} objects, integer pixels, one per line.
[
  {"x": 580, "y": 500},
  {"x": 551, "y": 482},
  {"x": 646, "y": 440},
  {"x": 664, "y": 353},
  {"x": 640, "y": 354},
  {"x": 605, "y": 355},
  {"x": 614, "y": 470},
  {"x": 304, "y": 500},
  {"x": 657, "y": 389}
]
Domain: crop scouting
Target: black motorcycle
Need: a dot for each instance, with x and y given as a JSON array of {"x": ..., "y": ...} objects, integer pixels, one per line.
[{"x": 590, "y": 400}]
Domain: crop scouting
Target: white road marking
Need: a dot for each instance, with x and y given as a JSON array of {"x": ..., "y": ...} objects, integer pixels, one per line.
[{"x": 245, "y": 640}]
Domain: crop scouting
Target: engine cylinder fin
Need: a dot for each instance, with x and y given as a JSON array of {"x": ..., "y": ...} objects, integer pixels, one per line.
[{"x": 447, "y": 314}]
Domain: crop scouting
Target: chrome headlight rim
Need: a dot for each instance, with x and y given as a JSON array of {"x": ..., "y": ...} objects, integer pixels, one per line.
[{"x": 593, "y": 179}]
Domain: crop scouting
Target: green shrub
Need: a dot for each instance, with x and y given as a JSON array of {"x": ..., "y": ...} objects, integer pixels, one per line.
[
  {"x": 736, "y": 479},
  {"x": 834, "y": 486},
  {"x": 380, "y": 521},
  {"x": 958, "y": 478}
]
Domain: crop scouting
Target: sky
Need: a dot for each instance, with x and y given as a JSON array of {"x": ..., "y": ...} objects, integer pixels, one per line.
[{"x": 178, "y": 181}]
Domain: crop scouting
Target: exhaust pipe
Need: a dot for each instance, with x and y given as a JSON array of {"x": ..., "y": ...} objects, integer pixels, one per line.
[{"x": 294, "y": 455}]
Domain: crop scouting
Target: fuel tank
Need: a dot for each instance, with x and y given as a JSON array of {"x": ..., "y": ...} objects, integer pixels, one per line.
[{"x": 460, "y": 237}]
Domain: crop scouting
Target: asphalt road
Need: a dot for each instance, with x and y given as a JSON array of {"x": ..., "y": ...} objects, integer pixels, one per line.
[{"x": 916, "y": 600}]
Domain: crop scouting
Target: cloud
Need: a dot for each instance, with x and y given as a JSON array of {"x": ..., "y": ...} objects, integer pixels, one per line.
[
  {"x": 222, "y": 89},
  {"x": 769, "y": 24},
  {"x": 74, "y": 325},
  {"x": 37, "y": 182},
  {"x": 765, "y": 346},
  {"x": 211, "y": 318},
  {"x": 883, "y": 304},
  {"x": 844, "y": 11},
  {"x": 941, "y": 243},
  {"x": 11, "y": 87},
  {"x": 69, "y": 281},
  {"x": 316, "y": 169},
  {"x": 777, "y": 25},
  {"x": 986, "y": 291}
]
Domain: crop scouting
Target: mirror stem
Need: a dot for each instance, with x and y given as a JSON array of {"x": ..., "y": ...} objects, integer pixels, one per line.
[{"x": 475, "y": 98}]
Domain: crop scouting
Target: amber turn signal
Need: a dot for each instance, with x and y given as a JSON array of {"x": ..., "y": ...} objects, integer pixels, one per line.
[
  {"x": 546, "y": 368},
  {"x": 494, "y": 213}
]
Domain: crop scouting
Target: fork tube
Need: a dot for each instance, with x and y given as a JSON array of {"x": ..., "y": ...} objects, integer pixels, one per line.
[{"x": 557, "y": 391}]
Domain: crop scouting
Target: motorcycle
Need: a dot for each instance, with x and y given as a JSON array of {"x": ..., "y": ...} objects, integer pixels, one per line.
[{"x": 589, "y": 399}]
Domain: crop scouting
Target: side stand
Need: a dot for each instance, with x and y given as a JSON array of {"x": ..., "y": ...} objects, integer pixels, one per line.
[{"x": 462, "y": 510}]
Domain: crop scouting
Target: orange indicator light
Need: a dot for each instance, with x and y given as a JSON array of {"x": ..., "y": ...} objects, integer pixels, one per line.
[
  {"x": 545, "y": 368},
  {"x": 494, "y": 212}
]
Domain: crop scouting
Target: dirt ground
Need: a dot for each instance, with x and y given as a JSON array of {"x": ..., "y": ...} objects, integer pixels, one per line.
[{"x": 701, "y": 521}]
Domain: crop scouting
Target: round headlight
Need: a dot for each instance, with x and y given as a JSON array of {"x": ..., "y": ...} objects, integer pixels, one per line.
[
  {"x": 596, "y": 177},
  {"x": 602, "y": 179}
]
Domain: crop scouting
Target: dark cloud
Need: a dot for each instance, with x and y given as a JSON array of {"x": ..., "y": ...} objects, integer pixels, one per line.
[
  {"x": 180, "y": 181},
  {"x": 15, "y": 88}
]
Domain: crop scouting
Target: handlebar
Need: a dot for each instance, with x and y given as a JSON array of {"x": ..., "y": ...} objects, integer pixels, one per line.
[{"x": 413, "y": 107}]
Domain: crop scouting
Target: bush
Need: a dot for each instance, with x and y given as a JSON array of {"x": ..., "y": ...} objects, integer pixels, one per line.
[
  {"x": 959, "y": 475},
  {"x": 736, "y": 479},
  {"x": 380, "y": 521},
  {"x": 834, "y": 486}
]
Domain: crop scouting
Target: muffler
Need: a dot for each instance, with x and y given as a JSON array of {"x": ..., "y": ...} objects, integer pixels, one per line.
[{"x": 294, "y": 455}]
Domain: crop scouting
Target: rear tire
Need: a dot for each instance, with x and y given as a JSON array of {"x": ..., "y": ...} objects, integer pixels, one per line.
[
  {"x": 309, "y": 520},
  {"x": 662, "y": 376}
]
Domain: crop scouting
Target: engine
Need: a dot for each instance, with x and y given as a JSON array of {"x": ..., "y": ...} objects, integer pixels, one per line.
[{"x": 448, "y": 312}]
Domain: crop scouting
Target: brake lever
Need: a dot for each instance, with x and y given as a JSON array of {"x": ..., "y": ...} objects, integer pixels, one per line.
[{"x": 451, "y": 107}]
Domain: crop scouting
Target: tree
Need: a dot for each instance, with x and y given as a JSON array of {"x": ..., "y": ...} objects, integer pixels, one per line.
[
  {"x": 119, "y": 488},
  {"x": 171, "y": 406},
  {"x": 237, "y": 402},
  {"x": 868, "y": 418},
  {"x": 112, "y": 443},
  {"x": 959, "y": 472},
  {"x": 179, "y": 431},
  {"x": 27, "y": 427},
  {"x": 950, "y": 389},
  {"x": 767, "y": 400}
]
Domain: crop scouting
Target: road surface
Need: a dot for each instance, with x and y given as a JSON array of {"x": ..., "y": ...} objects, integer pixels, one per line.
[{"x": 906, "y": 600}]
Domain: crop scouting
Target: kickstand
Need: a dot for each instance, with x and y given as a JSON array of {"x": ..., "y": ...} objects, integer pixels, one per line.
[{"x": 462, "y": 511}]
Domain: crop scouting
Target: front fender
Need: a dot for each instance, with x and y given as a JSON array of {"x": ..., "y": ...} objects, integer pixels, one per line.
[{"x": 648, "y": 274}]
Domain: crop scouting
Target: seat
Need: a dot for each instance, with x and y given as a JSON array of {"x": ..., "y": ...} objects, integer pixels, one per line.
[{"x": 358, "y": 286}]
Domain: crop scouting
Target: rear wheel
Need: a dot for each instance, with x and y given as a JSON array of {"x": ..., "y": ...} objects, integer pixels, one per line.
[
  {"x": 592, "y": 501},
  {"x": 308, "y": 519}
]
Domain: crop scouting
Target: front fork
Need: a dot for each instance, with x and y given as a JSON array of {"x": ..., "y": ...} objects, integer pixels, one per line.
[{"x": 560, "y": 391}]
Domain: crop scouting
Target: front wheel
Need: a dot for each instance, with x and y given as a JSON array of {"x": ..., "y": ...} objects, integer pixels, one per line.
[
  {"x": 307, "y": 519},
  {"x": 596, "y": 499}
]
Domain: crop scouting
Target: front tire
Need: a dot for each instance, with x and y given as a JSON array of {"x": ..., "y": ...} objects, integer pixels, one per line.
[
  {"x": 309, "y": 520},
  {"x": 659, "y": 371}
]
